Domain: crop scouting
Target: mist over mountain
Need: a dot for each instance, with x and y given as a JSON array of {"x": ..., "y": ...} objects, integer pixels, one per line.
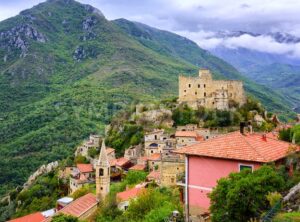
[{"x": 278, "y": 71}]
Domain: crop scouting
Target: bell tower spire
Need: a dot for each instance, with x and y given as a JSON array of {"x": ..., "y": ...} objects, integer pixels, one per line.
[{"x": 102, "y": 174}]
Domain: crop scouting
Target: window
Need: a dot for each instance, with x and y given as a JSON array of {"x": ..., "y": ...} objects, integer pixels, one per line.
[
  {"x": 151, "y": 151},
  {"x": 101, "y": 172},
  {"x": 101, "y": 188},
  {"x": 204, "y": 85},
  {"x": 195, "y": 93},
  {"x": 198, "y": 85},
  {"x": 189, "y": 85},
  {"x": 184, "y": 90},
  {"x": 125, "y": 207},
  {"x": 245, "y": 167},
  {"x": 155, "y": 137},
  {"x": 204, "y": 94}
]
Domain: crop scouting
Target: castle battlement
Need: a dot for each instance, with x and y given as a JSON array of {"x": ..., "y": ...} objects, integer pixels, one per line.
[{"x": 209, "y": 93}]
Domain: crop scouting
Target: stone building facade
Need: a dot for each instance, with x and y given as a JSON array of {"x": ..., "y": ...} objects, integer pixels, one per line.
[{"x": 206, "y": 92}]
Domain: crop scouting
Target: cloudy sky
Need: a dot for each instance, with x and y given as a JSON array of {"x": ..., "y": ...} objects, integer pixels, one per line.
[{"x": 203, "y": 20}]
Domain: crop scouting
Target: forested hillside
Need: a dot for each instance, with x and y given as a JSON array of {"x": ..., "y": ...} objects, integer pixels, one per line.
[{"x": 65, "y": 69}]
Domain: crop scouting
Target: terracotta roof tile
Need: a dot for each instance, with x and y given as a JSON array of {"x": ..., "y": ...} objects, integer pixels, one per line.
[
  {"x": 249, "y": 147},
  {"x": 119, "y": 162},
  {"x": 186, "y": 134},
  {"x": 109, "y": 150},
  {"x": 139, "y": 167},
  {"x": 154, "y": 156},
  {"x": 154, "y": 175},
  {"x": 85, "y": 168},
  {"x": 80, "y": 206},
  {"x": 144, "y": 158},
  {"x": 129, "y": 194},
  {"x": 35, "y": 217}
]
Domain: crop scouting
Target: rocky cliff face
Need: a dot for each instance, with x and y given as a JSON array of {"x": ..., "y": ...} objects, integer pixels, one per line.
[
  {"x": 292, "y": 200},
  {"x": 19, "y": 38}
]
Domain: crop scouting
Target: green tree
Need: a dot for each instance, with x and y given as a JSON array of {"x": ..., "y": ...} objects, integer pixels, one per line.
[
  {"x": 93, "y": 152},
  {"x": 64, "y": 218},
  {"x": 242, "y": 195},
  {"x": 80, "y": 159},
  {"x": 81, "y": 192}
]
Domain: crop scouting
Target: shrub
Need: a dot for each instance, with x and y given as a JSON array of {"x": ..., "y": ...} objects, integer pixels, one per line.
[{"x": 242, "y": 195}]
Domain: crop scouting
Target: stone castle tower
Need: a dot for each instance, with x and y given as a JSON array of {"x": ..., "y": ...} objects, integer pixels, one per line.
[
  {"x": 209, "y": 93},
  {"x": 102, "y": 174}
]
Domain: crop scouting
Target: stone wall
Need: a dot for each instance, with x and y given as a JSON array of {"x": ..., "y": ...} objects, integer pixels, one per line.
[
  {"x": 209, "y": 93},
  {"x": 42, "y": 170}
]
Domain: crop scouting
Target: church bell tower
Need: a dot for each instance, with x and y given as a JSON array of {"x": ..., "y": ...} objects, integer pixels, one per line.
[{"x": 102, "y": 174}]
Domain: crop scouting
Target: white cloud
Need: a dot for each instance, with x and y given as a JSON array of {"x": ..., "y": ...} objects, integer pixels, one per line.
[{"x": 200, "y": 19}]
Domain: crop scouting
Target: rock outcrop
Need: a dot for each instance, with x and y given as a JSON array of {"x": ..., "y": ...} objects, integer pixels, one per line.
[
  {"x": 292, "y": 200},
  {"x": 19, "y": 37},
  {"x": 42, "y": 170}
]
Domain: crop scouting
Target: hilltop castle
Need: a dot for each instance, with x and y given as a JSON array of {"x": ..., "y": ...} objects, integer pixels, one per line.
[{"x": 209, "y": 93}]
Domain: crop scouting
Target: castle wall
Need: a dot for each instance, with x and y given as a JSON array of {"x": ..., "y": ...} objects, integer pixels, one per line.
[{"x": 209, "y": 93}]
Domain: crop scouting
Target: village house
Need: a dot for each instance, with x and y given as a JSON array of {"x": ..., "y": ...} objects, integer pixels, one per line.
[
  {"x": 133, "y": 153},
  {"x": 34, "y": 217},
  {"x": 121, "y": 164},
  {"x": 138, "y": 167},
  {"x": 93, "y": 142},
  {"x": 187, "y": 127},
  {"x": 123, "y": 198},
  {"x": 159, "y": 142},
  {"x": 203, "y": 91},
  {"x": 154, "y": 176},
  {"x": 171, "y": 169},
  {"x": 153, "y": 144},
  {"x": 62, "y": 202},
  {"x": 206, "y": 133},
  {"x": 82, "y": 208},
  {"x": 185, "y": 138},
  {"x": 208, "y": 161},
  {"x": 81, "y": 174},
  {"x": 154, "y": 161}
]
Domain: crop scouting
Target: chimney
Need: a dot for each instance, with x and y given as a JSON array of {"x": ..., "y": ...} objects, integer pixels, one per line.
[
  {"x": 264, "y": 137},
  {"x": 242, "y": 127},
  {"x": 250, "y": 127}
]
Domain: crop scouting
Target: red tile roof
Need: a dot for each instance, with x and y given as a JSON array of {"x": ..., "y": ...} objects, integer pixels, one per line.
[
  {"x": 186, "y": 134},
  {"x": 154, "y": 156},
  {"x": 129, "y": 194},
  {"x": 109, "y": 150},
  {"x": 35, "y": 217},
  {"x": 155, "y": 175},
  {"x": 80, "y": 206},
  {"x": 119, "y": 162},
  {"x": 139, "y": 167},
  {"x": 85, "y": 168},
  {"x": 249, "y": 147},
  {"x": 144, "y": 158},
  {"x": 273, "y": 135}
]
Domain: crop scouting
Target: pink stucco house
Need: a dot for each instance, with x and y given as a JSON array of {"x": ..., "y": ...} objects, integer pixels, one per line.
[{"x": 210, "y": 160}]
